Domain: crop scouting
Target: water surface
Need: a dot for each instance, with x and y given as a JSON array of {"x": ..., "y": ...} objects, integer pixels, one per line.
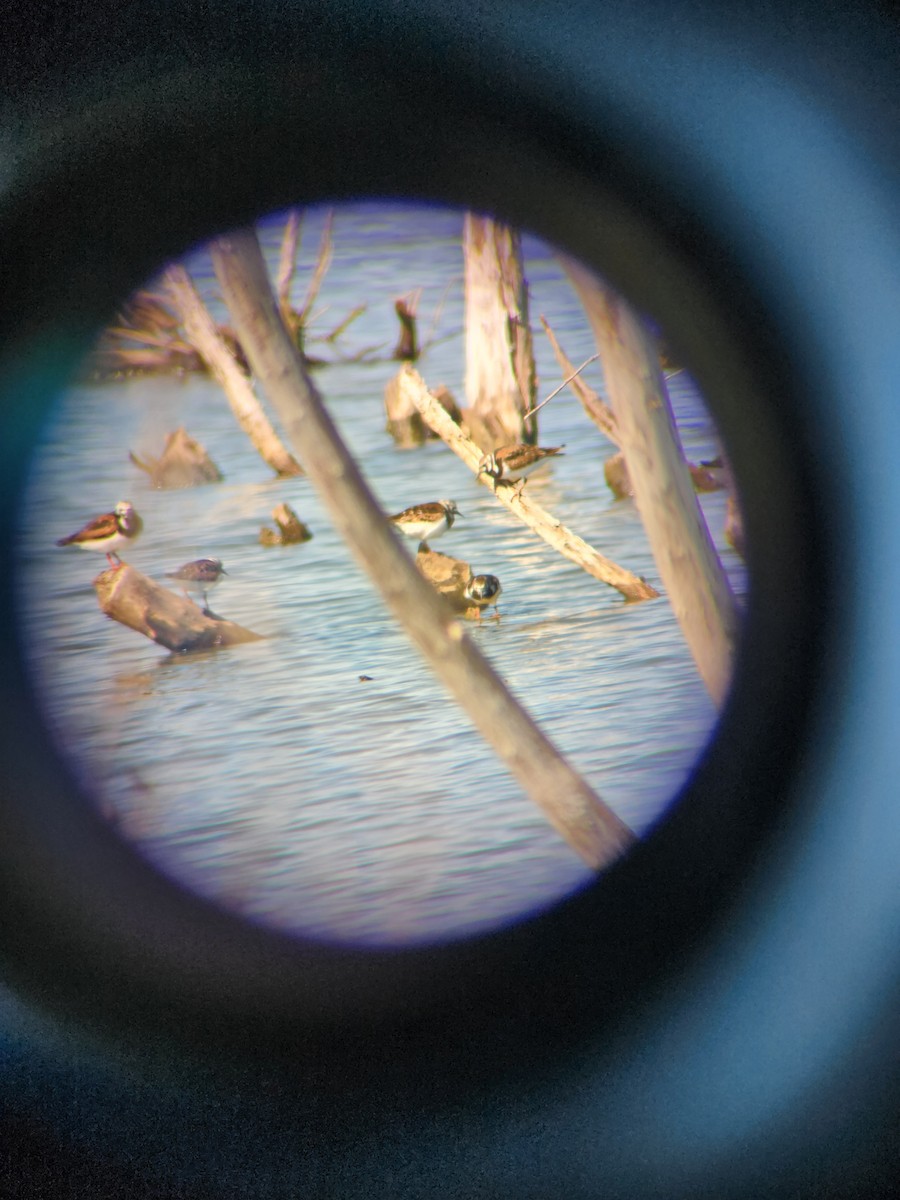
[{"x": 269, "y": 777}]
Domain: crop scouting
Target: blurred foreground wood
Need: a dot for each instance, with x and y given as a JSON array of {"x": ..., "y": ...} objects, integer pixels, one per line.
[
  {"x": 590, "y": 827},
  {"x": 686, "y": 558},
  {"x": 164, "y": 617},
  {"x": 631, "y": 586}
]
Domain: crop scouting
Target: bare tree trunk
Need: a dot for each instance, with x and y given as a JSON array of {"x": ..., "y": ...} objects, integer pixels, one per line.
[
  {"x": 589, "y": 826},
  {"x": 686, "y": 558},
  {"x": 500, "y": 374},
  {"x": 200, "y": 328}
]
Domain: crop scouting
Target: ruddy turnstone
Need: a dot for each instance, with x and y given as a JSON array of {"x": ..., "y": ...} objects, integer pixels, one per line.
[
  {"x": 199, "y": 576},
  {"x": 483, "y": 590},
  {"x": 108, "y": 531},
  {"x": 424, "y": 521},
  {"x": 515, "y": 462}
]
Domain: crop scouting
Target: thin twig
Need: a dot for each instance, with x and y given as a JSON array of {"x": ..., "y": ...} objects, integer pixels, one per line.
[
  {"x": 601, "y": 414},
  {"x": 557, "y": 390}
]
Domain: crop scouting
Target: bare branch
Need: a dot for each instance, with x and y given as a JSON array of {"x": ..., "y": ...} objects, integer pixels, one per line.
[
  {"x": 537, "y": 408},
  {"x": 201, "y": 329},
  {"x": 569, "y": 544},
  {"x": 601, "y": 414},
  {"x": 587, "y": 824}
]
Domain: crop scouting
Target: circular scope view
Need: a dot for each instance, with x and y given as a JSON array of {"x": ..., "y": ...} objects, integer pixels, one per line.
[{"x": 269, "y": 706}]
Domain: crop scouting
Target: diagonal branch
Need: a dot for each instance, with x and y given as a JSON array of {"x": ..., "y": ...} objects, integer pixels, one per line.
[
  {"x": 519, "y": 504},
  {"x": 588, "y": 825},
  {"x": 601, "y": 414}
]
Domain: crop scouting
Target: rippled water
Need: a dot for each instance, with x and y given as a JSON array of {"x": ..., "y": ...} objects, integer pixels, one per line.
[{"x": 270, "y": 777}]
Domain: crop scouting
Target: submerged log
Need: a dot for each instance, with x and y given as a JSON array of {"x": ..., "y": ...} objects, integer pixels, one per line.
[
  {"x": 183, "y": 463},
  {"x": 165, "y": 617},
  {"x": 291, "y": 530}
]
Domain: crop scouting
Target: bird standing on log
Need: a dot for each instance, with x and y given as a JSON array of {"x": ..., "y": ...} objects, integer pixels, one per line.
[
  {"x": 107, "y": 532},
  {"x": 199, "y": 577},
  {"x": 424, "y": 521},
  {"x": 513, "y": 463}
]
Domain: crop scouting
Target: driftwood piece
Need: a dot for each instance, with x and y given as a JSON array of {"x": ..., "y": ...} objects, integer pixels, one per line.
[
  {"x": 631, "y": 586},
  {"x": 183, "y": 463},
  {"x": 201, "y": 329},
  {"x": 500, "y": 372},
  {"x": 589, "y": 826},
  {"x": 164, "y": 617},
  {"x": 291, "y": 530},
  {"x": 685, "y": 554}
]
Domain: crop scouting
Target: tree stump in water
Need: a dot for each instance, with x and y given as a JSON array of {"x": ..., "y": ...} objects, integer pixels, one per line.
[
  {"x": 290, "y": 531},
  {"x": 404, "y": 422},
  {"x": 407, "y": 348},
  {"x": 164, "y": 617},
  {"x": 183, "y": 463}
]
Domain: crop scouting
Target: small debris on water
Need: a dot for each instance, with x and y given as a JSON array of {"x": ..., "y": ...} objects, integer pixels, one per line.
[{"x": 365, "y": 679}]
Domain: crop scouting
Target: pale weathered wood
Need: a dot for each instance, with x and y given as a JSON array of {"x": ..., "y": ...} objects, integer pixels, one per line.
[
  {"x": 201, "y": 330},
  {"x": 404, "y": 423},
  {"x": 588, "y": 825},
  {"x": 631, "y": 586},
  {"x": 161, "y": 615},
  {"x": 685, "y": 555},
  {"x": 500, "y": 378}
]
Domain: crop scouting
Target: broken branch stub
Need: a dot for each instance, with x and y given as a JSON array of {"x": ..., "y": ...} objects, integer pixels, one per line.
[
  {"x": 590, "y": 827},
  {"x": 567, "y": 543}
]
